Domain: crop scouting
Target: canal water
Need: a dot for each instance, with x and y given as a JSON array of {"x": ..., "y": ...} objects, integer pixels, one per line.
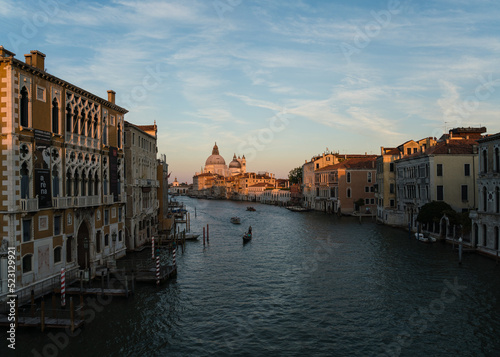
[{"x": 308, "y": 284}]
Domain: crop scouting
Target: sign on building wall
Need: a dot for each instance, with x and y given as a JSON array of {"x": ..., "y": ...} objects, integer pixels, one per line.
[
  {"x": 42, "y": 188},
  {"x": 113, "y": 172}
]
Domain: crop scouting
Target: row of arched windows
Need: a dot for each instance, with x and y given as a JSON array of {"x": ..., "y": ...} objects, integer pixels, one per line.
[
  {"x": 80, "y": 123},
  {"x": 495, "y": 199},
  {"x": 496, "y": 160}
]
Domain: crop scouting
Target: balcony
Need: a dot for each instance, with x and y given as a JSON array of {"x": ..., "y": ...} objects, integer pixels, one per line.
[
  {"x": 62, "y": 202},
  {"x": 29, "y": 204},
  {"x": 108, "y": 199}
]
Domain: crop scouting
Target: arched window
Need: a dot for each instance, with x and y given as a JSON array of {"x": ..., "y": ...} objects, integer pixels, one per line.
[
  {"x": 27, "y": 263},
  {"x": 485, "y": 199},
  {"x": 98, "y": 242},
  {"x": 485, "y": 235},
  {"x": 55, "y": 116},
  {"x": 76, "y": 120},
  {"x": 497, "y": 199},
  {"x": 25, "y": 181},
  {"x": 119, "y": 136},
  {"x": 96, "y": 185},
  {"x": 75, "y": 184},
  {"x": 118, "y": 184},
  {"x": 497, "y": 159},
  {"x": 57, "y": 254},
  {"x": 68, "y": 118},
  {"x": 69, "y": 250},
  {"x": 55, "y": 182},
  {"x": 94, "y": 129},
  {"x": 497, "y": 239},
  {"x": 106, "y": 240},
  {"x": 104, "y": 132},
  {"x": 348, "y": 177},
  {"x": 83, "y": 191},
  {"x": 485, "y": 161},
  {"x": 24, "y": 107},
  {"x": 68, "y": 184},
  {"x": 90, "y": 185},
  {"x": 105, "y": 183},
  {"x": 83, "y": 119},
  {"x": 348, "y": 193}
]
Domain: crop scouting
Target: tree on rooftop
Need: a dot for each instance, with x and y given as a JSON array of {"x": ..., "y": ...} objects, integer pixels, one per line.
[{"x": 295, "y": 175}]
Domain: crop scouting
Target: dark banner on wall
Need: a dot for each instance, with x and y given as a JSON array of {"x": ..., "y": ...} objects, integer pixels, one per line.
[
  {"x": 42, "y": 188},
  {"x": 113, "y": 172}
]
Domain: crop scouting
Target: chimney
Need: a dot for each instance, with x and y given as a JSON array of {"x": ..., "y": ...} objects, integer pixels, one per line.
[
  {"x": 36, "y": 59},
  {"x": 111, "y": 96}
]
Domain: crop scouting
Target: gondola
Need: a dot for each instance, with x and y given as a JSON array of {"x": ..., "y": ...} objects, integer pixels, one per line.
[{"x": 247, "y": 237}]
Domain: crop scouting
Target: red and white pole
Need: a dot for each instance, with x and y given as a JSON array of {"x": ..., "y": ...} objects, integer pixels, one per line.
[
  {"x": 153, "y": 247},
  {"x": 173, "y": 257},
  {"x": 63, "y": 287},
  {"x": 158, "y": 270}
]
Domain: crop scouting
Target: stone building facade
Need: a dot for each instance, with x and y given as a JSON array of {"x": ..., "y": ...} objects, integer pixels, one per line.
[
  {"x": 141, "y": 184},
  {"x": 62, "y": 190},
  {"x": 486, "y": 219}
]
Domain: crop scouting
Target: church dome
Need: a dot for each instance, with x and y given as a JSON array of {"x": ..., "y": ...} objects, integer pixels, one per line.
[
  {"x": 215, "y": 158},
  {"x": 235, "y": 164}
]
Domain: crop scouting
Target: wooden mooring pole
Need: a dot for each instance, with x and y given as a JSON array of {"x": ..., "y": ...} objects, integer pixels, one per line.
[
  {"x": 203, "y": 235},
  {"x": 32, "y": 303},
  {"x": 54, "y": 306},
  {"x": 72, "y": 314},
  {"x": 81, "y": 307},
  {"x": 42, "y": 316},
  {"x": 208, "y": 239}
]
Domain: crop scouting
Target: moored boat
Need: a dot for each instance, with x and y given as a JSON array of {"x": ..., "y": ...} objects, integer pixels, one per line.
[
  {"x": 250, "y": 208},
  {"x": 298, "y": 209},
  {"x": 192, "y": 236},
  {"x": 235, "y": 220}
]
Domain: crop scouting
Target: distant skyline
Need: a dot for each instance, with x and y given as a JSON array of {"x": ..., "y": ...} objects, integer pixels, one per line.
[{"x": 276, "y": 81}]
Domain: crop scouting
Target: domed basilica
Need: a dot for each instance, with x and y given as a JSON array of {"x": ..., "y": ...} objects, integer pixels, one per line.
[{"x": 215, "y": 164}]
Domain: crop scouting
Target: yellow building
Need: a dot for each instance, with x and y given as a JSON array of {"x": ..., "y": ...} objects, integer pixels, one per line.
[
  {"x": 385, "y": 194},
  {"x": 62, "y": 188},
  {"x": 444, "y": 172}
]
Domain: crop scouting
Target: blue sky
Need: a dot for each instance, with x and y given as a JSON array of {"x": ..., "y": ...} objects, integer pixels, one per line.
[{"x": 278, "y": 81}]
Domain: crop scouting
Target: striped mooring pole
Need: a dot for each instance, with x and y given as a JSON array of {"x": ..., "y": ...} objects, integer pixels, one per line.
[
  {"x": 158, "y": 270},
  {"x": 63, "y": 287},
  {"x": 153, "y": 247},
  {"x": 173, "y": 257}
]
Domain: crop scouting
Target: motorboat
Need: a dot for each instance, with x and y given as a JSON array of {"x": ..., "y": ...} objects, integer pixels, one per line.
[{"x": 236, "y": 220}]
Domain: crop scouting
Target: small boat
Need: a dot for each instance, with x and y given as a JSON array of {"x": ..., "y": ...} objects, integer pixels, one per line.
[
  {"x": 247, "y": 237},
  {"x": 422, "y": 238},
  {"x": 192, "y": 236},
  {"x": 298, "y": 209},
  {"x": 251, "y": 209},
  {"x": 235, "y": 220}
]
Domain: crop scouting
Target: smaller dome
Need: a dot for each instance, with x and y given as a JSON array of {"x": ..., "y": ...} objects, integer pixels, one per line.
[{"x": 235, "y": 164}]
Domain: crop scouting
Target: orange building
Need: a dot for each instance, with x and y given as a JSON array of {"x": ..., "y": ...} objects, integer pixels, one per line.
[{"x": 342, "y": 186}]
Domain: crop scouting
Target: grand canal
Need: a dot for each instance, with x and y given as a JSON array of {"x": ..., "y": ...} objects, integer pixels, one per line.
[{"x": 309, "y": 284}]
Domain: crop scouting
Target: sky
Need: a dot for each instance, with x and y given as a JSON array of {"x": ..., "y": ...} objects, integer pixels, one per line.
[{"x": 277, "y": 81}]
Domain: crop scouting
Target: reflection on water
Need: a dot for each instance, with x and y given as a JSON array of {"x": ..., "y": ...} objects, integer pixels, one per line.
[{"x": 307, "y": 284}]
